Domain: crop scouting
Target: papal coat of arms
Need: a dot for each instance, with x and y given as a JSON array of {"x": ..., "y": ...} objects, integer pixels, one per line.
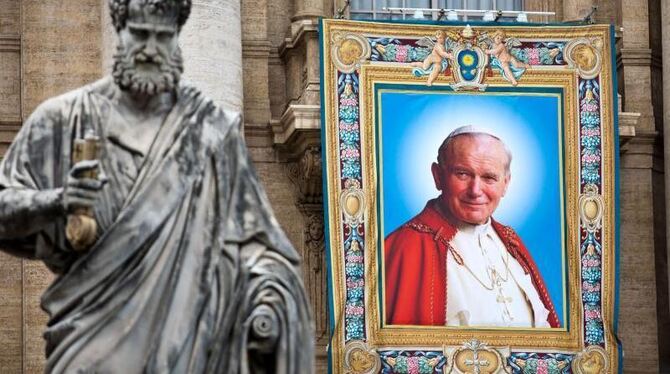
[{"x": 467, "y": 55}]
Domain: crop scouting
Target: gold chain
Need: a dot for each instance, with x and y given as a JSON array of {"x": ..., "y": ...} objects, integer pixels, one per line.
[{"x": 492, "y": 286}]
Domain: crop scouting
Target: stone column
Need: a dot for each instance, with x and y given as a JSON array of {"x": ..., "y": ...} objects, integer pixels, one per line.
[
  {"x": 256, "y": 52},
  {"x": 640, "y": 164},
  {"x": 109, "y": 38},
  {"x": 212, "y": 44},
  {"x": 308, "y": 9}
]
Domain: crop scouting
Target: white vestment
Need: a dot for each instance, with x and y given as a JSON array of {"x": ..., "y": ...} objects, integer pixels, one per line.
[{"x": 490, "y": 288}]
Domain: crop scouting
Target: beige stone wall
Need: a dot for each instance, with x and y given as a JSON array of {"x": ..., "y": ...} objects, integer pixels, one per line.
[
  {"x": 11, "y": 295},
  {"x": 10, "y": 71}
]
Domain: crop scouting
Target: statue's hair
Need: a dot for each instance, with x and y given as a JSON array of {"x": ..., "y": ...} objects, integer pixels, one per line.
[{"x": 119, "y": 10}]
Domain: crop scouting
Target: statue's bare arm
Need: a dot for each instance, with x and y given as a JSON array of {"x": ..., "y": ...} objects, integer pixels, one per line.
[{"x": 24, "y": 211}]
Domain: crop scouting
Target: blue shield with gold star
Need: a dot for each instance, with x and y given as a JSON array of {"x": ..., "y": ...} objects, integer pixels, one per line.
[{"x": 468, "y": 61}]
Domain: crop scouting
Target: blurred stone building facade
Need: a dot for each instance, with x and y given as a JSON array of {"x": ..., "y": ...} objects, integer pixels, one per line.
[{"x": 262, "y": 57}]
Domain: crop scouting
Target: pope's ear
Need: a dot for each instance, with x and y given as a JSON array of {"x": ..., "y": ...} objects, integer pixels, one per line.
[
  {"x": 437, "y": 175},
  {"x": 508, "y": 178}
]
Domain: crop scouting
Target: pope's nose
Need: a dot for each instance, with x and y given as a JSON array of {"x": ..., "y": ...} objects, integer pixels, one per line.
[{"x": 475, "y": 187}]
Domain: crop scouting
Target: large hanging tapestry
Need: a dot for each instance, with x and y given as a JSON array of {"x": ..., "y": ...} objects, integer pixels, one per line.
[{"x": 471, "y": 197}]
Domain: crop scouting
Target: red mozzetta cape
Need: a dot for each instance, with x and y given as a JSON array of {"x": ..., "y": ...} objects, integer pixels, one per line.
[{"x": 415, "y": 266}]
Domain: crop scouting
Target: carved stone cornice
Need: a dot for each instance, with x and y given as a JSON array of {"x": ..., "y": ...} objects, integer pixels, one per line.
[
  {"x": 298, "y": 129},
  {"x": 10, "y": 122},
  {"x": 9, "y": 127},
  {"x": 307, "y": 15},
  {"x": 642, "y": 151},
  {"x": 301, "y": 29},
  {"x": 634, "y": 57},
  {"x": 274, "y": 58},
  {"x": 627, "y": 124},
  {"x": 10, "y": 43},
  {"x": 256, "y": 48}
]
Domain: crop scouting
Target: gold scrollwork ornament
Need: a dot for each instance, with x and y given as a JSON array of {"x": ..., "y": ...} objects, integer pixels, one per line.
[
  {"x": 585, "y": 55},
  {"x": 349, "y": 51},
  {"x": 591, "y": 208},
  {"x": 359, "y": 359},
  {"x": 475, "y": 357},
  {"x": 593, "y": 360}
]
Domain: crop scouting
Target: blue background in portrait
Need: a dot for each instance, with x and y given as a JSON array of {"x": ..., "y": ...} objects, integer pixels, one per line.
[{"x": 414, "y": 124}]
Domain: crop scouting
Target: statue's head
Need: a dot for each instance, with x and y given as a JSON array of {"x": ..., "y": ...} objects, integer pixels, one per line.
[{"x": 148, "y": 59}]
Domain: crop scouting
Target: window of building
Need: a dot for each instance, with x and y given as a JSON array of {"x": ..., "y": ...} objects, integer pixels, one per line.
[{"x": 374, "y": 9}]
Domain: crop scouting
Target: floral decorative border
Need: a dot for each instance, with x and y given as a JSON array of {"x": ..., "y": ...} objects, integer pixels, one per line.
[
  {"x": 540, "y": 363},
  {"x": 412, "y": 362}
]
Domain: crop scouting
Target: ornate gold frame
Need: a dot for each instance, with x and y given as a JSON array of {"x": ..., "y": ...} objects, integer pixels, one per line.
[{"x": 344, "y": 50}]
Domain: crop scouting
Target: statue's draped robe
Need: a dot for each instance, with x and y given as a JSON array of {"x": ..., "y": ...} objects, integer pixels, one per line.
[{"x": 190, "y": 266}]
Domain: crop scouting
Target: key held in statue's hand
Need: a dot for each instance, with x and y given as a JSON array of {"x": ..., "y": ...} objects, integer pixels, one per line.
[{"x": 83, "y": 187}]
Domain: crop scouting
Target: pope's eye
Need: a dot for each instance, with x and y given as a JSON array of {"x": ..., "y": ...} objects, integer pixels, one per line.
[{"x": 490, "y": 178}]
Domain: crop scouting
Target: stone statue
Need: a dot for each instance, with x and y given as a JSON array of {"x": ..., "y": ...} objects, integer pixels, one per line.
[{"x": 187, "y": 270}]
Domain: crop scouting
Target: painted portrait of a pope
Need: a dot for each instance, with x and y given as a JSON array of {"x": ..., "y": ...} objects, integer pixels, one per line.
[{"x": 456, "y": 261}]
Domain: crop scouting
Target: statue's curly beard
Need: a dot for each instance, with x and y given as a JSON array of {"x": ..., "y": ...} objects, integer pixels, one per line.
[{"x": 128, "y": 77}]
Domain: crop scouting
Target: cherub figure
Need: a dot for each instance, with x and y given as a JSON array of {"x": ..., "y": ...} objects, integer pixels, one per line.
[
  {"x": 511, "y": 67},
  {"x": 435, "y": 63}
]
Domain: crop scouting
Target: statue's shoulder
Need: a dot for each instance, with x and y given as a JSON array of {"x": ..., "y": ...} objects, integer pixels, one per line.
[
  {"x": 220, "y": 118},
  {"x": 58, "y": 106}
]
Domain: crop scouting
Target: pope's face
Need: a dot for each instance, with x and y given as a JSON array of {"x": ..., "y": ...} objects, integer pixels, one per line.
[{"x": 473, "y": 178}]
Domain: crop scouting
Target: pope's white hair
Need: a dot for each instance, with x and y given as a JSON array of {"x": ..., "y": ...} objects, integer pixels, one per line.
[{"x": 469, "y": 130}]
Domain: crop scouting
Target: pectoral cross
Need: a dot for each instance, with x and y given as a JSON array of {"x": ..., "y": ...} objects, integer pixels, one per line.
[
  {"x": 476, "y": 363},
  {"x": 505, "y": 300}
]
